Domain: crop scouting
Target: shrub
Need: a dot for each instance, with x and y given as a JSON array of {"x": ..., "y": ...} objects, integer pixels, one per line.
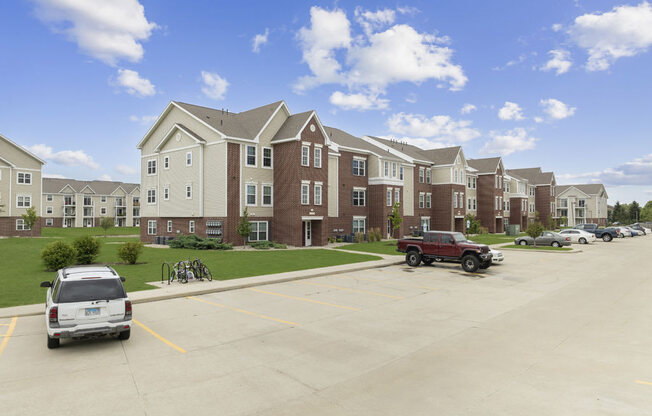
[
  {"x": 129, "y": 252},
  {"x": 58, "y": 255},
  {"x": 359, "y": 237},
  {"x": 338, "y": 240},
  {"x": 379, "y": 234},
  {"x": 88, "y": 248},
  {"x": 331, "y": 239},
  {"x": 534, "y": 230},
  {"x": 265, "y": 245},
  {"x": 371, "y": 236},
  {"x": 474, "y": 224},
  {"x": 483, "y": 230},
  {"x": 198, "y": 243}
]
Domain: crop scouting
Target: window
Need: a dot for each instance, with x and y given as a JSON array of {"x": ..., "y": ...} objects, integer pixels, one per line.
[
  {"x": 305, "y": 194},
  {"x": 455, "y": 195},
  {"x": 400, "y": 173},
  {"x": 103, "y": 211},
  {"x": 103, "y": 199},
  {"x": 88, "y": 201},
  {"x": 422, "y": 175},
  {"x": 462, "y": 201},
  {"x": 151, "y": 227},
  {"x": 166, "y": 193},
  {"x": 475, "y": 183},
  {"x": 386, "y": 164},
  {"x": 166, "y": 162},
  {"x": 359, "y": 197},
  {"x": 425, "y": 223},
  {"x": 500, "y": 203},
  {"x": 428, "y": 175},
  {"x": 397, "y": 195},
  {"x": 49, "y": 222},
  {"x": 49, "y": 210},
  {"x": 447, "y": 239},
  {"x": 422, "y": 200},
  {"x": 191, "y": 226},
  {"x": 267, "y": 195},
  {"x": 259, "y": 231},
  {"x": 531, "y": 207},
  {"x": 305, "y": 155},
  {"x": 151, "y": 196},
  {"x": 24, "y": 178},
  {"x": 508, "y": 187},
  {"x": 468, "y": 203},
  {"x": 428, "y": 200},
  {"x": 21, "y": 226},
  {"x": 532, "y": 191},
  {"x": 495, "y": 181},
  {"x": 500, "y": 182},
  {"x": 251, "y": 196},
  {"x": 359, "y": 167},
  {"x": 317, "y": 157},
  {"x": 580, "y": 203},
  {"x": 267, "y": 157},
  {"x": 189, "y": 158},
  {"x": 468, "y": 182},
  {"x": 394, "y": 170},
  {"x": 456, "y": 178},
  {"x": 188, "y": 191},
  {"x": 251, "y": 156},
  {"x": 496, "y": 204},
  {"x": 48, "y": 198},
  {"x": 151, "y": 167},
  {"x": 318, "y": 188},
  {"x": 563, "y": 203},
  {"x": 23, "y": 201},
  {"x": 359, "y": 225},
  {"x": 169, "y": 226},
  {"x": 475, "y": 204},
  {"x": 389, "y": 197}
]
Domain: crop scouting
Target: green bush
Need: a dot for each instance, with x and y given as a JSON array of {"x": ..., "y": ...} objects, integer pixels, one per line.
[
  {"x": 198, "y": 243},
  {"x": 359, "y": 237},
  {"x": 331, "y": 239},
  {"x": 474, "y": 224},
  {"x": 88, "y": 248},
  {"x": 371, "y": 236},
  {"x": 338, "y": 240},
  {"x": 58, "y": 255},
  {"x": 378, "y": 233},
  {"x": 129, "y": 252},
  {"x": 266, "y": 245}
]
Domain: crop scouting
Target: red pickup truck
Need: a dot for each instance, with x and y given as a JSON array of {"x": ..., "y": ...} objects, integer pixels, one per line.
[{"x": 445, "y": 246}]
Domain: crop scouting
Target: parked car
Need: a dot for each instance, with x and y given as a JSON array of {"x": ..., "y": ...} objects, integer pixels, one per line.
[
  {"x": 579, "y": 236},
  {"x": 634, "y": 232},
  {"x": 623, "y": 232},
  {"x": 445, "y": 246},
  {"x": 496, "y": 256},
  {"x": 547, "y": 238},
  {"x": 590, "y": 227},
  {"x": 86, "y": 302},
  {"x": 606, "y": 234},
  {"x": 639, "y": 227}
]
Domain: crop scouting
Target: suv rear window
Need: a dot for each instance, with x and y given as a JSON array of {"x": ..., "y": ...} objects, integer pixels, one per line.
[{"x": 88, "y": 290}]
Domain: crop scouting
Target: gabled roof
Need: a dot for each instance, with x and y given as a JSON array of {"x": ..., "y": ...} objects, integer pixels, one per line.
[
  {"x": 56, "y": 185},
  {"x": 530, "y": 174},
  {"x": 486, "y": 165},
  {"x": 516, "y": 175},
  {"x": 22, "y": 149},
  {"x": 184, "y": 129},
  {"x": 352, "y": 143},
  {"x": 407, "y": 149},
  {"x": 292, "y": 126},
  {"x": 589, "y": 189},
  {"x": 443, "y": 156},
  {"x": 561, "y": 189}
]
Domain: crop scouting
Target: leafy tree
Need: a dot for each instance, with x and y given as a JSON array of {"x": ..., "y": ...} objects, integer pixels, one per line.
[
  {"x": 87, "y": 248},
  {"x": 30, "y": 218},
  {"x": 474, "y": 224},
  {"x": 634, "y": 212},
  {"x": 563, "y": 221},
  {"x": 106, "y": 223},
  {"x": 534, "y": 230},
  {"x": 646, "y": 212},
  {"x": 617, "y": 212},
  {"x": 244, "y": 226},
  {"x": 396, "y": 218}
]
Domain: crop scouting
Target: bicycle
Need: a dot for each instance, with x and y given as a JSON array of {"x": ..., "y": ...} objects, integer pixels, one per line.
[
  {"x": 201, "y": 271},
  {"x": 186, "y": 270}
]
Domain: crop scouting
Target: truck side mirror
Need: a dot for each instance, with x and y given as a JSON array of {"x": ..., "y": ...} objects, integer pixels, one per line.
[
  {"x": 46, "y": 284},
  {"x": 122, "y": 279}
]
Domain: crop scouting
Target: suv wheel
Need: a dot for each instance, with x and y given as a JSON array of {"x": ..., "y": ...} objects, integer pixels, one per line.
[
  {"x": 607, "y": 237},
  {"x": 413, "y": 258},
  {"x": 124, "y": 335},
  {"x": 555, "y": 244},
  {"x": 582, "y": 240},
  {"x": 470, "y": 263},
  {"x": 53, "y": 343}
]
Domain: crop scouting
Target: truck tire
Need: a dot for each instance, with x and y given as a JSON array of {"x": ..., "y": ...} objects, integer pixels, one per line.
[
  {"x": 427, "y": 262},
  {"x": 53, "y": 343},
  {"x": 470, "y": 263},
  {"x": 607, "y": 237},
  {"x": 413, "y": 258}
]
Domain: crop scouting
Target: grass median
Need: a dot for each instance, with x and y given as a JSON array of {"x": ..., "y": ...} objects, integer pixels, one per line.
[
  {"x": 544, "y": 248},
  {"x": 377, "y": 247},
  {"x": 92, "y": 231},
  {"x": 22, "y": 269}
]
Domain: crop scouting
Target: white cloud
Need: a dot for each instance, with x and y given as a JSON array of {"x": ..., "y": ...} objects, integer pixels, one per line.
[
  {"x": 439, "y": 128},
  {"x": 510, "y": 111},
  {"x": 468, "y": 108},
  {"x": 359, "y": 101},
  {"x": 622, "y": 32},
  {"x": 538, "y": 119},
  {"x": 64, "y": 157},
  {"x": 513, "y": 62},
  {"x": 635, "y": 172},
  {"x": 214, "y": 85},
  {"x": 259, "y": 40},
  {"x": 371, "y": 61},
  {"x": 508, "y": 142},
  {"x": 560, "y": 61},
  {"x": 557, "y": 27},
  {"x": 134, "y": 83},
  {"x": 106, "y": 30},
  {"x": 54, "y": 176},
  {"x": 557, "y": 109},
  {"x": 411, "y": 98},
  {"x": 143, "y": 119},
  {"x": 126, "y": 170},
  {"x": 105, "y": 177}
]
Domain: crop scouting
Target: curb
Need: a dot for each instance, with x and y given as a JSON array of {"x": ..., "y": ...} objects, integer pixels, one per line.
[
  {"x": 573, "y": 251},
  {"x": 38, "y": 309}
]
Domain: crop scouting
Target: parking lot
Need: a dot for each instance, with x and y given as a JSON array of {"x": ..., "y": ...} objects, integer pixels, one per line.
[{"x": 544, "y": 333}]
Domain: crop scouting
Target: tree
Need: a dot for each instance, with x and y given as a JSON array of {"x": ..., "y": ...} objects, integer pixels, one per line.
[
  {"x": 396, "y": 218},
  {"x": 30, "y": 219},
  {"x": 634, "y": 212},
  {"x": 106, "y": 223},
  {"x": 244, "y": 227},
  {"x": 563, "y": 221},
  {"x": 534, "y": 230},
  {"x": 474, "y": 224},
  {"x": 646, "y": 212}
]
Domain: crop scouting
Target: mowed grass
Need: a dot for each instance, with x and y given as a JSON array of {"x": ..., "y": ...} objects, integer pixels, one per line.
[
  {"x": 490, "y": 239},
  {"x": 21, "y": 268},
  {"x": 545, "y": 248},
  {"x": 377, "y": 247},
  {"x": 92, "y": 231}
]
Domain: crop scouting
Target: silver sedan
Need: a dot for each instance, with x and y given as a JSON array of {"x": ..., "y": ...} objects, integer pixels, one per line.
[{"x": 547, "y": 238}]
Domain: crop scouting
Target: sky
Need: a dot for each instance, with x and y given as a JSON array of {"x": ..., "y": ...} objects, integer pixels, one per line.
[{"x": 560, "y": 84}]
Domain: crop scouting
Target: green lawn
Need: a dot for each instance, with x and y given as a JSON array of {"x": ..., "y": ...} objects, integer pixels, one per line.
[
  {"x": 377, "y": 247},
  {"x": 94, "y": 231},
  {"x": 490, "y": 239},
  {"x": 22, "y": 270},
  {"x": 547, "y": 248}
]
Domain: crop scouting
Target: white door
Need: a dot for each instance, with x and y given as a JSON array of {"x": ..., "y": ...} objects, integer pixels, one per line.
[{"x": 308, "y": 231}]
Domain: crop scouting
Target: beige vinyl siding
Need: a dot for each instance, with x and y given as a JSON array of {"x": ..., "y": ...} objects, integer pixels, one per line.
[
  {"x": 333, "y": 185},
  {"x": 5, "y": 197},
  {"x": 176, "y": 178},
  {"x": 147, "y": 182},
  {"x": 441, "y": 175},
  {"x": 408, "y": 190},
  {"x": 257, "y": 176},
  {"x": 373, "y": 167},
  {"x": 273, "y": 126},
  {"x": 33, "y": 190},
  {"x": 18, "y": 157},
  {"x": 215, "y": 180}
]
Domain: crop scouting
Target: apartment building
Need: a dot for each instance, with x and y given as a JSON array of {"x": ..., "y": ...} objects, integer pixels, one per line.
[
  {"x": 20, "y": 187},
  {"x": 518, "y": 206},
  {"x": 490, "y": 194},
  {"x": 71, "y": 203},
  {"x": 541, "y": 190},
  {"x": 582, "y": 204}
]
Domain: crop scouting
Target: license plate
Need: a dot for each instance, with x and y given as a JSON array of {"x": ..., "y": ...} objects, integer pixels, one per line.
[{"x": 92, "y": 311}]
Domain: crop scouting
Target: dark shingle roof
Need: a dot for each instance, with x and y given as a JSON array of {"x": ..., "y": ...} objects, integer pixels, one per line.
[
  {"x": 345, "y": 139},
  {"x": 54, "y": 185},
  {"x": 443, "y": 156},
  {"x": 590, "y": 188},
  {"x": 486, "y": 165},
  {"x": 407, "y": 149},
  {"x": 292, "y": 126}
]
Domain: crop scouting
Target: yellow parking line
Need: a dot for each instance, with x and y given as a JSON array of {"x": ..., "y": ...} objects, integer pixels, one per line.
[
  {"x": 305, "y": 299},
  {"x": 244, "y": 311},
  {"x": 346, "y": 289},
  {"x": 10, "y": 331},
  {"x": 160, "y": 338},
  {"x": 644, "y": 382},
  {"x": 5, "y": 324},
  {"x": 387, "y": 282}
]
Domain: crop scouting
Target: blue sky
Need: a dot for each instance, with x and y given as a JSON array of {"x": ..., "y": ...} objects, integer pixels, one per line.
[{"x": 560, "y": 84}]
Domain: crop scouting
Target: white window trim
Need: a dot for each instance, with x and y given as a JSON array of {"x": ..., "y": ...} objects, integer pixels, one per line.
[
  {"x": 307, "y": 186},
  {"x": 49, "y": 198},
  {"x": 397, "y": 195},
  {"x": 188, "y": 154},
  {"x": 389, "y": 193},
  {"x": 166, "y": 162},
  {"x": 149, "y": 222},
  {"x": 188, "y": 185},
  {"x": 191, "y": 226},
  {"x": 364, "y": 199},
  {"x": 246, "y": 155},
  {"x": 262, "y": 195},
  {"x": 321, "y": 193},
  {"x": 147, "y": 196},
  {"x": 314, "y": 157},
  {"x": 271, "y": 158},
  {"x": 247, "y": 185},
  {"x": 305, "y": 146},
  {"x": 102, "y": 210},
  {"x": 428, "y": 200},
  {"x": 155, "y": 167},
  {"x": 169, "y": 225},
  {"x": 24, "y": 196},
  {"x": 24, "y": 177},
  {"x": 258, "y": 230},
  {"x": 50, "y": 209},
  {"x": 166, "y": 193},
  {"x": 23, "y": 225},
  {"x": 49, "y": 222}
]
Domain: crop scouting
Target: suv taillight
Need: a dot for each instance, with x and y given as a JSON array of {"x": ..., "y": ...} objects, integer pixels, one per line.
[
  {"x": 127, "y": 309},
  {"x": 567, "y": 238},
  {"x": 54, "y": 314}
]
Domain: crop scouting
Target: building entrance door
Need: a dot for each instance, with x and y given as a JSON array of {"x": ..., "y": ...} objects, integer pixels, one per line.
[{"x": 307, "y": 228}]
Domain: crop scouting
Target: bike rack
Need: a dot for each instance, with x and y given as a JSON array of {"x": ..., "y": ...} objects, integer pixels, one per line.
[{"x": 163, "y": 271}]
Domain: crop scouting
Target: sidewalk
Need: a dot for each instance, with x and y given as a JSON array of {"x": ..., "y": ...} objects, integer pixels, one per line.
[{"x": 178, "y": 290}]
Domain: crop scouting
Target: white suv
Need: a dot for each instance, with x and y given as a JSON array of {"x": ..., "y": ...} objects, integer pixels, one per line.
[{"x": 86, "y": 301}]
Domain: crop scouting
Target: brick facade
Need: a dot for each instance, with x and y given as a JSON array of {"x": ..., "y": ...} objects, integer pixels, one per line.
[
  {"x": 516, "y": 214},
  {"x": 489, "y": 216},
  {"x": 8, "y": 228},
  {"x": 542, "y": 203},
  {"x": 445, "y": 217},
  {"x": 347, "y": 181}
]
